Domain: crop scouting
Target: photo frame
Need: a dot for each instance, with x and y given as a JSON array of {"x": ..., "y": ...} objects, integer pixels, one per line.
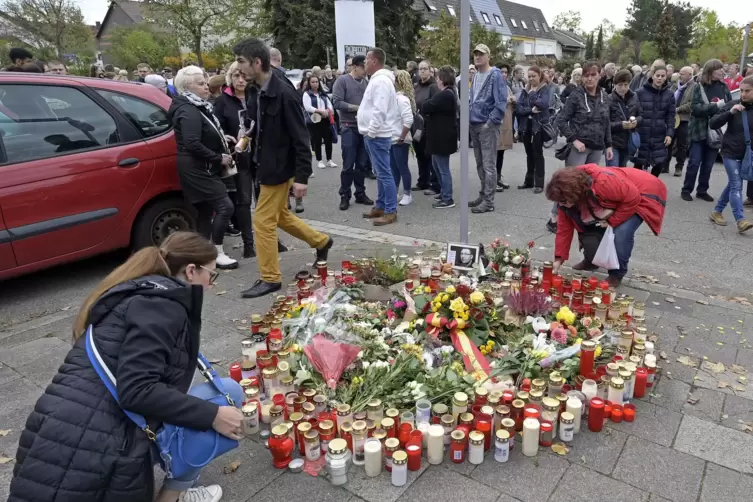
[{"x": 462, "y": 256}]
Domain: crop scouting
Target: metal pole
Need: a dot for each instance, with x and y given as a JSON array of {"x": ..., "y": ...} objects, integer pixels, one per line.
[
  {"x": 465, "y": 51},
  {"x": 745, "y": 48}
]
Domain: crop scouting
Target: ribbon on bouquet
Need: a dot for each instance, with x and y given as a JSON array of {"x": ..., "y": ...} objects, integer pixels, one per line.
[
  {"x": 474, "y": 360},
  {"x": 435, "y": 323}
]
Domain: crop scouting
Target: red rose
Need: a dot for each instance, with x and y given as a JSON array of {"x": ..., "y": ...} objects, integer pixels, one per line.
[{"x": 531, "y": 244}]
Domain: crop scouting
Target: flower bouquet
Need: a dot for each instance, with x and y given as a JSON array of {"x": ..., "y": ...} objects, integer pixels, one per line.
[{"x": 504, "y": 258}]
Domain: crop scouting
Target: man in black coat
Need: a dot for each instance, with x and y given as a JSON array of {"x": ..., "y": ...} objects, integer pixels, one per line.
[{"x": 282, "y": 154}]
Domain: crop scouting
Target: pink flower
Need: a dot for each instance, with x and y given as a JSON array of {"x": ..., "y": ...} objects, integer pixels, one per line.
[
  {"x": 586, "y": 322},
  {"x": 594, "y": 332},
  {"x": 390, "y": 315},
  {"x": 399, "y": 304},
  {"x": 494, "y": 245},
  {"x": 559, "y": 335}
]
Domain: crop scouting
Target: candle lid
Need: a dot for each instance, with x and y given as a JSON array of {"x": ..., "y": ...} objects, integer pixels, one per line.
[
  {"x": 326, "y": 425},
  {"x": 296, "y": 416},
  {"x": 476, "y": 436},
  {"x": 311, "y": 435},
  {"x": 280, "y": 430},
  {"x": 308, "y": 407},
  {"x": 375, "y": 403},
  {"x": 343, "y": 409},
  {"x": 388, "y": 423},
  {"x": 567, "y": 417},
  {"x": 481, "y": 391},
  {"x": 318, "y": 399},
  {"x": 466, "y": 417},
  {"x": 379, "y": 434},
  {"x": 392, "y": 413},
  {"x": 359, "y": 426},
  {"x": 346, "y": 427},
  {"x": 487, "y": 410},
  {"x": 250, "y": 409},
  {"x": 617, "y": 382},
  {"x": 588, "y": 345},
  {"x": 439, "y": 409},
  {"x": 276, "y": 410},
  {"x": 447, "y": 420},
  {"x": 399, "y": 457},
  {"x": 518, "y": 403},
  {"x": 502, "y": 409},
  {"x": 283, "y": 366},
  {"x": 550, "y": 403},
  {"x": 508, "y": 423},
  {"x": 502, "y": 435},
  {"x": 338, "y": 446},
  {"x": 460, "y": 397},
  {"x": 251, "y": 392},
  {"x": 392, "y": 444},
  {"x": 457, "y": 435}
]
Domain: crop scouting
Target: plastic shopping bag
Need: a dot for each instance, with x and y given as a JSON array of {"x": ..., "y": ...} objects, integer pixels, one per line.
[{"x": 606, "y": 255}]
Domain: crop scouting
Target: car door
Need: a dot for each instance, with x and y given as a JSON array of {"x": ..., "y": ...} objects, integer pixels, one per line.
[
  {"x": 71, "y": 171},
  {"x": 7, "y": 260}
]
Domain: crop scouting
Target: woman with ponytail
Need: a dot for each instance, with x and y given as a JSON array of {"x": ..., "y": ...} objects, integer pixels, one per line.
[{"x": 78, "y": 443}]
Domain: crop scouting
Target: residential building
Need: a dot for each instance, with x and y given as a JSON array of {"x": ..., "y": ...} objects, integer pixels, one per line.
[
  {"x": 483, "y": 12},
  {"x": 530, "y": 32},
  {"x": 570, "y": 45},
  {"x": 119, "y": 13}
]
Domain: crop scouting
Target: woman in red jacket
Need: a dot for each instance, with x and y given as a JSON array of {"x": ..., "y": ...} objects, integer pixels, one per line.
[{"x": 591, "y": 197}]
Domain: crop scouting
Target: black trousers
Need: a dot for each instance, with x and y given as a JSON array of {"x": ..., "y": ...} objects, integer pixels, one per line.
[
  {"x": 680, "y": 145},
  {"x": 500, "y": 163},
  {"x": 534, "y": 145},
  {"x": 243, "y": 197},
  {"x": 214, "y": 228},
  {"x": 749, "y": 190},
  {"x": 589, "y": 241},
  {"x": 321, "y": 133},
  {"x": 655, "y": 170},
  {"x": 427, "y": 177}
]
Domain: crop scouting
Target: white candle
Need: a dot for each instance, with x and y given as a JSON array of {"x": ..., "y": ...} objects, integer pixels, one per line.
[
  {"x": 590, "y": 389},
  {"x": 373, "y": 452},
  {"x": 575, "y": 407},
  {"x": 530, "y": 437},
  {"x": 616, "y": 388},
  {"x": 265, "y": 406},
  {"x": 436, "y": 444},
  {"x": 649, "y": 348},
  {"x": 424, "y": 428}
]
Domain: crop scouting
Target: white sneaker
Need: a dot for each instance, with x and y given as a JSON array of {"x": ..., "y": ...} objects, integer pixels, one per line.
[
  {"x": 211, "y": 493},
  {"x": 407, "y": 199},
  {"x": 224, "y": 262},
  {"x": 321, "y": 164},
  {"x": 331, "y": 164}
]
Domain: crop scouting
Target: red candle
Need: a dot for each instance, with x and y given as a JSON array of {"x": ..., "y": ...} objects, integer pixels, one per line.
[
  {"x": 404, "y": 434},
  {"x": 526, "y": 385},
  {"x": 346, "y": 265},
  {"x": 596, "y": 414},
  {"x": 587, "y": 353},
  {"x": 593, "y": 282},
  {"x": 417, "y": 435},
  {"x": 547, "y": 273},
  {"x": 484, "y": 425},
  {"x": 532, "y": 410},
  {"x": 557, "y": 283},
  {"x": 413, "y": 449},
  {"x": 545, "y": 438},
  {"x": 236, "y": 373},
  {"x": 457, "y": 445},
  {"x": 628, "y": 412},
  {"x": 617, "y": 414},
  {"x": 641, "y": 379},
  {"x": 508, "y": 396}
]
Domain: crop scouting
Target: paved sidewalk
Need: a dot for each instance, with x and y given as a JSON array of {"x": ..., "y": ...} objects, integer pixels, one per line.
[{"x": 674, "y": 451}]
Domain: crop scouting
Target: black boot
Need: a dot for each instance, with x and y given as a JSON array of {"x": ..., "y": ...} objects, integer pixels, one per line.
[
  {"x": 344, "y": 203},
  {"x": 281, "y": 248},
  {"x": 248, "y": 251},
  {"x": 321, "y": 254},
  {"x": 261, "y": 288}
]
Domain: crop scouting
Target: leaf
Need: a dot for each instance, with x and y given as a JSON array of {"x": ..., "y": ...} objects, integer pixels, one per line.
[
  {"x": 452, "y": 376},
  {"x": 232, "y": 466},
  {"x": 560, "y": 449},
  {"x": 686, "y": 361},
  {"x": 220, "y": 293},
  {"x": 715, "y": 367},
  {"x": 674, "y": 275},
  {"x": 4, "y": 432},
  {"x": 736, "y": 368},
  {"x": 663, "y": 355},
  {"x": 583, "y": 459},
  {"x": 692, "y": 400},
  {"x": 5, "y": 460},
  {"x": 725, "y": 416},
  {"x": 722, "y": 385},
  {"x": 739, "y": 388}
]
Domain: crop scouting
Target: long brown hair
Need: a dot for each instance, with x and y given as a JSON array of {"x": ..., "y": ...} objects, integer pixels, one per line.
[{"x": 176, "y": 252}]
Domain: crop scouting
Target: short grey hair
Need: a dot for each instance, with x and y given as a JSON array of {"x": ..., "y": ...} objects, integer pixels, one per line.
[
  {"x": 577, "y": 71},
  {"x": 229, "y": 73},
  {"x": 636, "y": 69},
  {"x": 275, "y": 55},
  {"x": 609, "y": 66},
  {"x": 185, "y": 77}
]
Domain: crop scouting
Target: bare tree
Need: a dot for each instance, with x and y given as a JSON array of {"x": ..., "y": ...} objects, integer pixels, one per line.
[{"x": 42, "y": 23}]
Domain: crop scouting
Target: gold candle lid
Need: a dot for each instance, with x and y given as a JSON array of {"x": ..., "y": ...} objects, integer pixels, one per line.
[
  {"x": 518, "y": 403},
  {"x": 508, "y": 423},
  {"x": 502, "y": 409},
  {"x": 375, "y": 403},
  {"x": 502, "y": 435},
  {"x": 379, "y": 434},
  {"x": 275, "y": 410},
  {"x": 346, "y": 427},
  {"x": 457, "y": 435},
  {"x": 550, "y": 403},
  {"x": 567, "y": 417},
  {"x": 326, "y": 425},
  {"x": 466, "y": 418},
  {"x": 343, "y": 409},
  {"x": 481, "y": 391},
  {"x": 296, "y": 416},
  {"x": 460, "y": 398},
  {"x": 308, "y": 407},
  {"x": 304, "y": 427},
  {"x": 337, "y": 446},
  {"x": 388, "y": 423},
  {"x": 392, "y": 413},
  {"x": 476, "y": 437},
  {"x": 439, "y": 409},
  {"x": 447, "y": 420},
  {"x": 250, "y": 409},
  {"x": 391, "y": 444},
  {"x": 311, "y": 436},
  {"x": 359, "y": 426},
  {"x": 617, "y": 383},
  {"x": 280, "y": 430}
]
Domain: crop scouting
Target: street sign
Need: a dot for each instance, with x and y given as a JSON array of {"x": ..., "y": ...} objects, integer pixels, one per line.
[{"x": 356, "y": 50}]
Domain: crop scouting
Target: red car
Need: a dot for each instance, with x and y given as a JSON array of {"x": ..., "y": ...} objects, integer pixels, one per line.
[{"x": 86, "y": 166}]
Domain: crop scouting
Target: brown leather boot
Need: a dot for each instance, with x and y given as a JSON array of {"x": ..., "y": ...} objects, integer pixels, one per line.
[
  {"x": 385, "y": 219},
  {"x": 374, "y": 213}
]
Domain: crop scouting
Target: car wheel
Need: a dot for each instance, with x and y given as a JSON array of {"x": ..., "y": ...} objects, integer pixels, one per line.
[{"x": 160, "y": 219}]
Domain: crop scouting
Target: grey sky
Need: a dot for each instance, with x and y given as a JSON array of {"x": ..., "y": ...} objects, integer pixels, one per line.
[{"x": 593, "y": 11}]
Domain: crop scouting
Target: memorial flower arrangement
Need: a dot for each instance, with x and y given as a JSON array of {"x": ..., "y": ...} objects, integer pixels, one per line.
[{"x": 504, "y": 257}]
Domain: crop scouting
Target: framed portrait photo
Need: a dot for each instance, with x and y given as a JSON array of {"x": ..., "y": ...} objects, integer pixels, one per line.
[{"x": 462, "y": 256}]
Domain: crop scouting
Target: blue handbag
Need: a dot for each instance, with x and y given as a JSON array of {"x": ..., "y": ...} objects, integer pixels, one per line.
[
  {"x": 634, "y": 139},
  {"x": 181, "y": 449},
  {"x": 746, "y": 167}
]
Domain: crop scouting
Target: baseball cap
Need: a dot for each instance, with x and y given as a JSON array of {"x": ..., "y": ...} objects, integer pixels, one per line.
[
  {"x": 482, "y": 48},
  {"x": 359, "y": 60}
]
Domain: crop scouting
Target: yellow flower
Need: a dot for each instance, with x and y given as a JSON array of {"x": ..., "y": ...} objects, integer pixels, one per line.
[
  {"x": 491, "y": 342},
  {"x": 598, "y": 351},
  {"x": 450, "y": 289},
  {"x": 577, "y": 342},
  {"x": 445, "y": 297},
  {"x": 477, "y": 297},
  {"x": 427, "y": 289},
  {"x": 458, "y": 305},
  {"x": 540, "y": 354},
  {"x": 566, "y": 316},
  {"x": 434, "y": 308},
  {"x": 465, "y": 316}
]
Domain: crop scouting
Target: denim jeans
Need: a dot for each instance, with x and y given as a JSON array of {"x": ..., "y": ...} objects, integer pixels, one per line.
[
  {"x": 733, "y": 192},
  {"x": 355, "y": 163},
  {"x": 701, "y": 162},
  {"x": 399, "y": 165},
  {"x": 379, "y": 153},
  {"x": 619, "y": 158},
  {"x": 203, "y": 391},
  {"x": 441, "y": 165},
  {"x": 624, "y": 240},
  {"x": 485, "y": 139}
]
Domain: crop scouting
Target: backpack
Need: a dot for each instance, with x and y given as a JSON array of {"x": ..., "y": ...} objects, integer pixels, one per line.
[{"x": 417, "y": 129}]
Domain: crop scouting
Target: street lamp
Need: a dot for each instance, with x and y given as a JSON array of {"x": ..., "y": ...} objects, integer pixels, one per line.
[
  {"x": 465, "y": 51},
  {"x": 745, "y": 46}
]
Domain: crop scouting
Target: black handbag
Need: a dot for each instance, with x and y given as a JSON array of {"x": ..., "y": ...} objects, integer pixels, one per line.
[{"x": 563, "y": 152}]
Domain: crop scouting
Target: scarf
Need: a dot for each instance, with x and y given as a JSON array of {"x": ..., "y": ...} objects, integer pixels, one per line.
[
  {"x": 206, "y": 108},
  {"x": 680, "y": 91}
]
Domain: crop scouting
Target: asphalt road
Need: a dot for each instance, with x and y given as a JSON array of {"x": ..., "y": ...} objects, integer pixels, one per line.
[{"x": 706, "y": 257}]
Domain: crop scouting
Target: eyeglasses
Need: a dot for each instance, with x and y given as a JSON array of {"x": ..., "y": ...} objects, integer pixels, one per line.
[{"x": 213, "y": 274}]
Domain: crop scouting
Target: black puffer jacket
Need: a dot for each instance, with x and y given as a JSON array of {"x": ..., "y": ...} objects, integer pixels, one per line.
[
  {"x": 78, "y": 445},
  {"x": 620, "y": 110},
  {"x": 586, "y": 118},
  {"x": 658, "y": 108},
  {"x": 733, "y": 142}
]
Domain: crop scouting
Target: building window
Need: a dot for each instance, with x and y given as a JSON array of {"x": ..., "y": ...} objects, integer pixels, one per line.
[
  {"x": 498, "y": 20},
  {"x": 546, "y": 28},
  {"x": 430, "y": 6},
  {"x": 451, "y": 10},
  {"x": 536, "y": 25},
  {"x": 513, "y": 22},
  {"x": 525, "y": 26},
  {"x": 486, "y": 18}
]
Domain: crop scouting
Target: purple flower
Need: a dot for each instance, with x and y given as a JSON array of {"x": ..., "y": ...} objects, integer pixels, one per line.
[{"x": 399, "y": 304}]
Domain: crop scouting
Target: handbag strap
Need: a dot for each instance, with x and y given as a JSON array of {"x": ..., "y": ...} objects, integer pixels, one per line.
[
  {"x": 108, "y": 378},
  {"x": 746, "y": 127}
]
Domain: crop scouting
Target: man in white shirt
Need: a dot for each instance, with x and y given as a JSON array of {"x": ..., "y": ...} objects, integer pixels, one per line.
[{"x": 376, "y": 119}]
